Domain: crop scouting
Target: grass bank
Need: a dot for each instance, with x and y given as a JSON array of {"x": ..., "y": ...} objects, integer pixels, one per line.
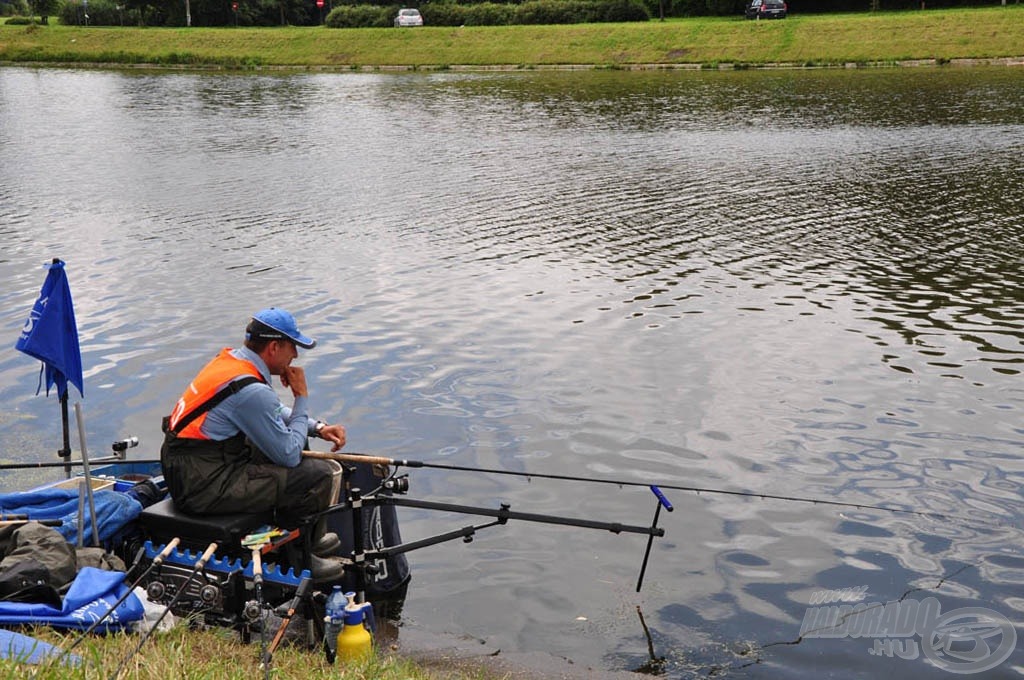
[
  {"x": 942, "y": 36},
  {"x": 184, "y": 654}
]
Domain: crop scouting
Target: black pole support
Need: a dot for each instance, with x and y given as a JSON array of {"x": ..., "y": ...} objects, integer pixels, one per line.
[
  {"x": 504, "y": 514},
  {"x": 662, "y": 502},
  {"x": 65, "y": 453}
]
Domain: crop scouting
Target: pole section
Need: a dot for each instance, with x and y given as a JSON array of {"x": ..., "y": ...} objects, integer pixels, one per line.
[{"x": 87, "y": 473}]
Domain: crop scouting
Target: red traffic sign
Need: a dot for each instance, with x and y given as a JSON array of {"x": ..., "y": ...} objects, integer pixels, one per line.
[
  {"x": 319, "y": 3},
  {"x": 234, "y": 7}
]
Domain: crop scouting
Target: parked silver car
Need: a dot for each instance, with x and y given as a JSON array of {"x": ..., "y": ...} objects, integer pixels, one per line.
[{"x": 408, "y": 17}]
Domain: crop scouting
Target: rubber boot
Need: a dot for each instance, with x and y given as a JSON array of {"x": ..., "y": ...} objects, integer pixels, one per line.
[{"x": 325, "y": 543}]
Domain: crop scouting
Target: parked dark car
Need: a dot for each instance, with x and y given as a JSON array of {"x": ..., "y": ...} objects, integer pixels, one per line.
[{"x": 766, "y": 9}]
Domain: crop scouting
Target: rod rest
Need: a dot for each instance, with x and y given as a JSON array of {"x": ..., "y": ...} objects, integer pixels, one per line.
[{"x": 225, "y": 565}]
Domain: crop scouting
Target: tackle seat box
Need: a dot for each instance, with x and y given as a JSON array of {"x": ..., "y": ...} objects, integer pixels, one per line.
[{"x": 163, "y": 521}]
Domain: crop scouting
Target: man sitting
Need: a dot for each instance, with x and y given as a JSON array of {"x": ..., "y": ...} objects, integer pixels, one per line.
[{"x": 231, "y": 446}]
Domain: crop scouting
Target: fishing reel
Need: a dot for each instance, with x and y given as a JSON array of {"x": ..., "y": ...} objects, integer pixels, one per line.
[
  {"x": 211, "y": 596},
  {"x": 252, "y": 612},
  {"x": 121, "y": 447},
  {"x": 397, "y": 484}
]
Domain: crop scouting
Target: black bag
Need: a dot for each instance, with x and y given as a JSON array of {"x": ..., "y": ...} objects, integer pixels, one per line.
[
  {"x": 45, "y": 545},
  {"x": 380, "y": 530},
  {"x": 27, "y": 580}
]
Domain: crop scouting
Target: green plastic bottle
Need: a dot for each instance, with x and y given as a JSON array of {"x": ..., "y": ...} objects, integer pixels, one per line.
[{"x": 355, "y": 643}]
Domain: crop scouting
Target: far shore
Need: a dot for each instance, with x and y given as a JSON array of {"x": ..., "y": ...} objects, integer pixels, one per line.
[
  {"x": 497, "y": 68},
  {"x": 984, "y": 36}
]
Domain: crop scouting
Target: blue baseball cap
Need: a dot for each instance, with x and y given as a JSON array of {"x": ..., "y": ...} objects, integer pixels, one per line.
[{"x": 276, "y": 324}]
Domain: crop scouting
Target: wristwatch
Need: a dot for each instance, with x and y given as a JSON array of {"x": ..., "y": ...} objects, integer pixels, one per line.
[{"x": 320, "y": 425}]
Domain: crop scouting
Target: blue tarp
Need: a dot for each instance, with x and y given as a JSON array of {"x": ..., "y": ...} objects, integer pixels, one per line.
[
  {"x": 91, "y": 594},
  {"x": 30, "y": 650},
  {"x": 113, "y": 510}
]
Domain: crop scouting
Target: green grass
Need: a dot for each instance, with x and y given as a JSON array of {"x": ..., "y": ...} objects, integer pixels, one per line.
[
  {"x": 882, "y": 37},
  {"x": 184, "y": 654}
]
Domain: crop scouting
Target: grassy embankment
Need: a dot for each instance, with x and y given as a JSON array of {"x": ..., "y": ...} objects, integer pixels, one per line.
[
  {"x": 183, "y": 654},
  {"x": 817, "y": 40}
]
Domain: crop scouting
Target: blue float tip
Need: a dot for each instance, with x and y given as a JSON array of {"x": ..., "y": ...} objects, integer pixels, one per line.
[{"x": 661, "y": 498}]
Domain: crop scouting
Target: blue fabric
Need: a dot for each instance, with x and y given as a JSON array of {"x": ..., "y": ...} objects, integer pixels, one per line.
[
  {"x": 51, "y": 335},
  {"x": 30, "y": 650},
  {"x": 91, "y": 594},
  {"x": 113, "y": 510}
]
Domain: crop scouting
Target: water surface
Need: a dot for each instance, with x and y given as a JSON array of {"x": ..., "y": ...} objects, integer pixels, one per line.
[{"x": 797, "y": 283}]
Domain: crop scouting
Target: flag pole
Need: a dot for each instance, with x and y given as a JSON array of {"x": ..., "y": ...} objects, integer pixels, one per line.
[
  {"x": 88, "y": 479},
  {"x": 65, "y": 452}
]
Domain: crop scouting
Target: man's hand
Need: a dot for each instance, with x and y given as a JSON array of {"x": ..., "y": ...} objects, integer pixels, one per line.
[
  {"x": 334, "y": 434},
  {"x": 294, "y": 378}
]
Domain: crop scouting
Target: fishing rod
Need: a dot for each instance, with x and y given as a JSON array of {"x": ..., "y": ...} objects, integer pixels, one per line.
[
  {"x": 257, "y": 582},
  {"x": 157, "y": 561},
  {"x": 200, "y": 563},
  {"x": 363, "y": 561},
  {"x": 119, "y": 448},
  {"x": 380, "y": 460},
  {"x": 300, "y": 594}
]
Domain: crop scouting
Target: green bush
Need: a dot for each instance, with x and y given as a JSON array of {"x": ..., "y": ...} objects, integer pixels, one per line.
[
  {"x": 489, "y": 14},
  {"x": 16, "y": 8},
  {"x": 444, "y": 14},
  {"x": 580, "y": 11},
  {"x": 553, "y": 12},
  {"x": 477, "y": 14},
  {"x": 361, "y": 16},
  {"x": 494, "y": 14},
  {"x": 625, "y": 10},
  {"x": 21, "y": 21}
]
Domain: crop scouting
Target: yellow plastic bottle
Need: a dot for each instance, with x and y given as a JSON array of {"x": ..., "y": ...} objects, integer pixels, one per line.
[{"x": 355, "y": 643}]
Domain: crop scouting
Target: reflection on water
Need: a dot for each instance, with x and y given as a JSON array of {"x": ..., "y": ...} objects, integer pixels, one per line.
[{"x": 801, "y": 283}]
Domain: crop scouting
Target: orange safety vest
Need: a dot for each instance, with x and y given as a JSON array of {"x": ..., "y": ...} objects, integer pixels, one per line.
[{"x": 207, "y": 386}]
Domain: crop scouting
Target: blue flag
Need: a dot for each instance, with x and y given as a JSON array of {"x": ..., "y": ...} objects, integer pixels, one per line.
[{"x": 51, "y": 335}]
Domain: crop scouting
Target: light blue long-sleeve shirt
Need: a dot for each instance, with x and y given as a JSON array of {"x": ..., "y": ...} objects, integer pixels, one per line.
[{"x": 279, "y": 432}]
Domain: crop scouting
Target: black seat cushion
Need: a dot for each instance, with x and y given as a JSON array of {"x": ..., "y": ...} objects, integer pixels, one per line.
[{"x": 163, "y": 521}]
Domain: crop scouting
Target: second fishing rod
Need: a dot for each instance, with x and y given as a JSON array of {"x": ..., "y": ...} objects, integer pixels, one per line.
[
  {"x": 380, "y": 460},
  {"x": 196, "y": 570}
]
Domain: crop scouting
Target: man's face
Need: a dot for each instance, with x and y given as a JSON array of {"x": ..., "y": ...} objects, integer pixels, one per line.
[{"x": 280, "y": 355}]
